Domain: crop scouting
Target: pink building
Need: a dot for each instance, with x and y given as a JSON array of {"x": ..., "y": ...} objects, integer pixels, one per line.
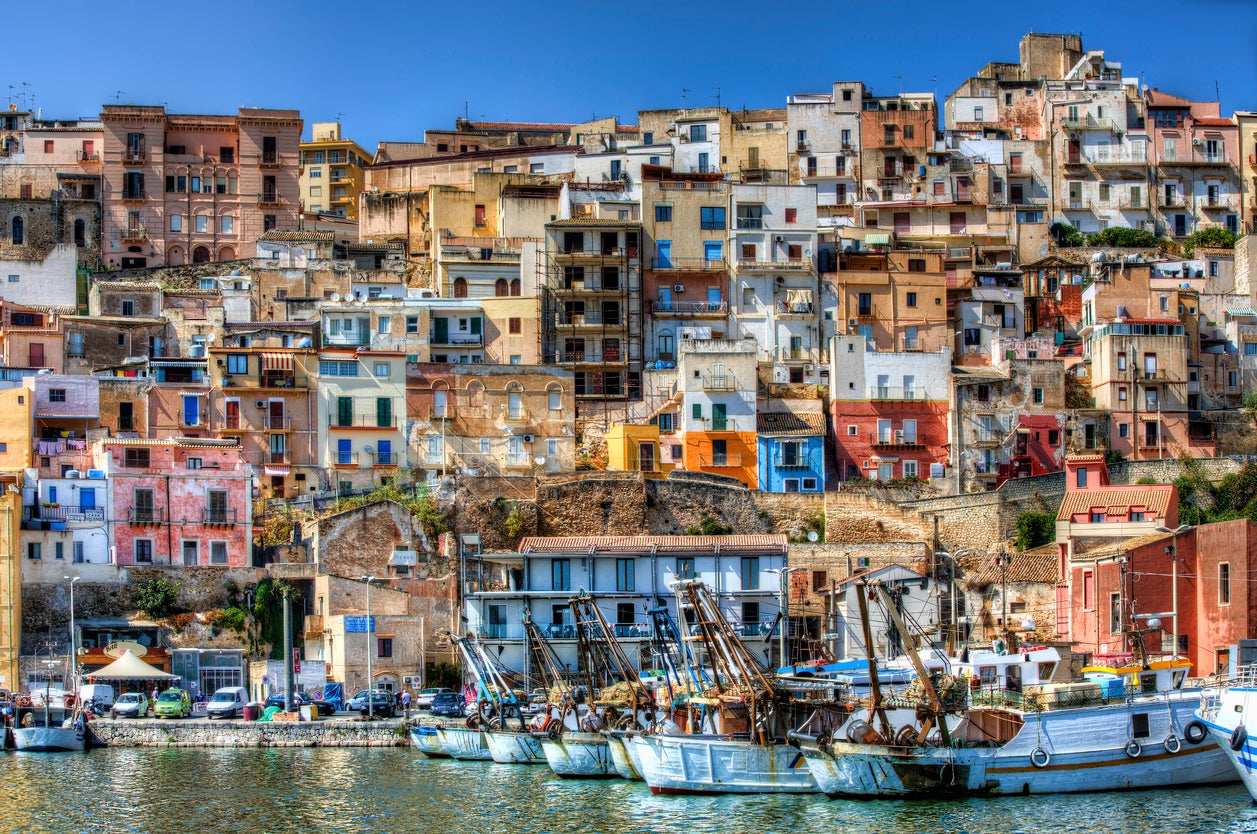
[
  {"x": 178, "y": 501},
  {"x": 192, "y": 189}
]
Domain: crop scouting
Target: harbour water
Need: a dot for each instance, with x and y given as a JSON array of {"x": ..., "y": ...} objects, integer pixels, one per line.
[{"x": 353, "y": 790}]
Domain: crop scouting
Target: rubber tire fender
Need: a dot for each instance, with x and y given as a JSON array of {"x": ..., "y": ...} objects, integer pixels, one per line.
[
  {"x": 1195, "y": 732},
  {"x": 1040, "y": 757},
  {"x": 1134, "y": 749},
  {"x": 1239, "y": 737},
  {"x": 1172, "y": 744}
]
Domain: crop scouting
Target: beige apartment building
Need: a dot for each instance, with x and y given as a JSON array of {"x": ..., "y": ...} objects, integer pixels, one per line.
[
  {"x": 896, "y": 299},
  {"x": 332, "y": 172}
]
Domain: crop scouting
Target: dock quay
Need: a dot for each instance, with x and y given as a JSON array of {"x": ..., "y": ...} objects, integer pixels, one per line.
[{"x": 335, "y": 732}]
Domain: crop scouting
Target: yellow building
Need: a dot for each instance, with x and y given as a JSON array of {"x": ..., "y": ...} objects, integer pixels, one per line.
[
  {"x": 332, "y": 172},
  {"x": 10, "y": 583},
  {"x": 634, "y": 448},
  {"x": 17, "y": 422}
]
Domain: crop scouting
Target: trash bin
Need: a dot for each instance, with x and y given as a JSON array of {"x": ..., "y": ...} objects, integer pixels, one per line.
[{"x": 250, "y": 712}]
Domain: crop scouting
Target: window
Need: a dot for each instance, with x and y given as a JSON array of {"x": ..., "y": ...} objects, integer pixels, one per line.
[
  {"x": 561, "y": 574},
  {"x": 412, "y": 324},
  {"x": 382, "y": 369},
  {"x": 337, "y": 368},
  {"x": 202, "y": 223},
  {"x": 384, "y": 647},
  {"x": 712, "y": 217},
  {"x": 1037, "y": 396},
  {"x": 1082, "y": 479},
  {"x": 912, "y": 299},
  {"x": 663, "y": 212},
  {"x": 135, "y": 458},
  {"x": 143, "y": 551},
  {"x": 698, "y": 133},
  {"x": 480, "y": 220},
  {"x": 909, "y": 131},
  {"x": 1088, "y": 590},
  {"x": 226, "y": 225},
  {"x": 750, "y": 573},
  {"x": 218, "y": 553},
  {"x": 1224, "y": 583},
  {"x": 238, "y": 363},
  {"x": 624, "y": 574},
  {"x": 685, "y": 568},
  {"x": 916, "y": 265},
  {"x": 176, "y": 222},
  {"x": 195, "y": 463},
  {"x": 792, "y": 215},
  {"x": 384, "y": 324},
  {"x": 910, "y": 469},
  {"x": 56, "y": 395},
  {"x": 34, "y": 550},
  {"x": 852, "y": 431},
  {"x": 514, "y": 325},
  {"x": 216, "y": 506},
  {"x": 1098, "y": 518}
]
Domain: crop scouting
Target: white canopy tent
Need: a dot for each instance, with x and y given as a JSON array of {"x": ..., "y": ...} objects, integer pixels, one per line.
[{"x": 128, "y": 667}]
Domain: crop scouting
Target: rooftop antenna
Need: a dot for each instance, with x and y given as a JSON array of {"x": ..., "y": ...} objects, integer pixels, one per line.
[
  {"x": 10, "y": 94},
  {"x": 25, "y": 84},
  {"x": 117, "y": 96},
  {"x": 1217, "y": 91},
  {"x": 684, "y": 91},
  {"x": 900, "y": 77},
  {"x": 717, "y": 89},
  {"x": 466, "y": 111}
]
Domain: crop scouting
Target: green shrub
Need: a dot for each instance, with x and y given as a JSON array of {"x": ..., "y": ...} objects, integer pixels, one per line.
[
  {"x": 1126, "y": 238},
  {"x": 1035, "y": 529},
  {"x": 1066, "y": 235},
  {"x": 157, "y": 597}
]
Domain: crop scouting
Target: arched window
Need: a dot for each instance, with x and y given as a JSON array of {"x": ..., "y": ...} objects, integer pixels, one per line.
[
  {"x": 201, "y": 255},
  {"x": 19, "y": 230},
  {"x": 460, "y": 287},
  {"x": 175, "y": 258},
  {"x": 475, "y": 398},
  {"x": 554, "y": 396},
  {"x": 226, "y": 254},
  {"x": 442, "y": 405},
  {"x": 515, "y": 286},
  {"x": 500, "y": 287},
  {"x": 515, "y": 401},
  {"x": 80, "y": 233}
]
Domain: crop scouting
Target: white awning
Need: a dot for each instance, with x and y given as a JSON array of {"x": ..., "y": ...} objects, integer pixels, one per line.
[{"x": 277, "y": 361}]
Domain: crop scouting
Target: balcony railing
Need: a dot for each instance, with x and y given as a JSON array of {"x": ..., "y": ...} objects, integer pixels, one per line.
[
  {"x": 38, "y": 512},
  {"x": 445, "y": 413},
  {"x": 271, "y": 160},
  {"x": 987, "y": 437},
  {"x": 142, "y": 515},
  {"x": 722, "y": 382},
  {"x": 457, "y": 340},
  {"x": 385, "y": 458},
  {"x": 591, "y": 284},
  {"x": 518, "y": 461},
  {"x": 898, "y": 439},
  {"x": 1175, "y": 200},
  {"x": 719, "y": 461},
  {"x": 275, "y": 422},
  {"x": 1117, "y": 158},
  {"x": 133, "y": 234},
  {"x": 362, "y": 421},
  {"x": 688, "y": 264},
  {"x": 750, "y": 222},
  {"x": 791, "y": 265},
  {"x": 1197, "y": 158},
  {"x": 271, "y": 200},
  {"x": 133, "y": 156},
  {"x": 1152, "y": 375},
  {"x": 591, "y": 319},
  {"x": 895, "y": 392},
  {"x": 343, "y": 459},
  {"x": 791, "y": 462},
  {"x": 1087, "y": 123},
  {"x": 690, "y": 308},
  {"x": 87, "y": 158},
  {"x": 798, "y": 308},
  {"x": 224, "y": 517},
  {"x": 276, "y": 457}
]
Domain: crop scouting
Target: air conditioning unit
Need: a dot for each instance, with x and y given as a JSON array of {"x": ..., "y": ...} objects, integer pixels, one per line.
[
  {"x": 899, "y": 436},
  {"x": 196, "y": 352},
  {"x": 221, "y": 362},
  {"x": 261, "y": 403},
  {"x": 809, "y": 368},
  {"x": 528, "y": 438},
  {"x": 678, "y": 288}
]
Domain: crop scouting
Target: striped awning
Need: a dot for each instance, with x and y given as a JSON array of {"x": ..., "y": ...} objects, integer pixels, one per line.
[
  {"x": 877, "y": 238},
  {"x": 277, "y": 361},
  {"x": 276, "y": 471},
  {"x": 1238, "y": 311}
]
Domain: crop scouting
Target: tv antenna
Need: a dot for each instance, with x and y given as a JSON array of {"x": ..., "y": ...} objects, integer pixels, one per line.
[
  {"x": 717, "y": 89},
  {"x": 117, "y": 96},
  {"x": 684, "y": 92}
]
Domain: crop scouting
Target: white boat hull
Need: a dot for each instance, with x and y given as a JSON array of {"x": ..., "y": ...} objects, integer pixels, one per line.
[
  {"x": 622, "y": 759},
  {"x": 579, "y": 756},
  {"x": 1085, "y": 751},
  {"x": 464, "y": 744},
  {"x": 426, "y": 740},
  {"x": 48, "y": 739},
  {"x": 685, "y": 764},
  {"x": 1221, "y": 717},
  {"x": 508, "y": 747}
]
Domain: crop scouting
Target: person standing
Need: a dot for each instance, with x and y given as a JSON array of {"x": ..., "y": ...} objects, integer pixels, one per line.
[
  {"x": 406, "y": 703},
  {"x": 153, "y": 705}
]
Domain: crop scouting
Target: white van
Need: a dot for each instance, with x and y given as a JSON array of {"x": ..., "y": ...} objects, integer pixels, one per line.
[
  {"x": 227, "y": 702},
  {"x": 102, "y": 693}
]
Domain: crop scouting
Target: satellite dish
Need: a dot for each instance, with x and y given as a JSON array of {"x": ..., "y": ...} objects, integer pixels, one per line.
[
  {"x": 539, "y": 460},
  {"x": 211, "y": 338},
  {"x": 1027, "y": 624},
  {"x": 335, "y": 296},
  {"x": 811, "y": 535},
  {"x": 368, "y": 449}
]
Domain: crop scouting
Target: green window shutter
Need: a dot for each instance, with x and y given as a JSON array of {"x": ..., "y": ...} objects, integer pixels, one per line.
[
  {"x": 475, "y": 325},
  {"x": 698, "y": 411},
  {"x": 383, "y": 412},
  {"x": 344, "y": 411}
]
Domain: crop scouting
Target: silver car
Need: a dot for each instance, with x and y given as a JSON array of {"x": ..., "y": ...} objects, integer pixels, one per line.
[{"x": 130, "y": 705}]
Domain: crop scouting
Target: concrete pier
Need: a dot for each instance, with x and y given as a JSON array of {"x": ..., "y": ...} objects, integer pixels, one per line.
[{"x": 347, "y": 732}]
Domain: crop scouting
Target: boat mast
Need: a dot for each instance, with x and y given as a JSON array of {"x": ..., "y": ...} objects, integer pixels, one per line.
[
  {"x": 876, "y": 709},
  {"x": 923, "y": 674}
]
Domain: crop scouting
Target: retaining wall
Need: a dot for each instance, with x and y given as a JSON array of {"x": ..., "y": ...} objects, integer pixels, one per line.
[{"x": 174, "y": 733}]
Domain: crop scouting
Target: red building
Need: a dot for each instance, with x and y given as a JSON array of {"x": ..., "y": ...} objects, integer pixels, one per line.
[
  {"x": 178, "y": 501},
  {"x": 1123, "y": 583},
  {"x": 1037, "y": 447}
]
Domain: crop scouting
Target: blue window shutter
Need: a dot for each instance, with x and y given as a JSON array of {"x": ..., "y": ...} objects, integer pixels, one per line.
[{"x": 190, "y": 411}]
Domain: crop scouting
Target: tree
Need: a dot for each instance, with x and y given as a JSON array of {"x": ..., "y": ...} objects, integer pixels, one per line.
[
  {"x": 1210, "y": 237},
  {"x": 1035, "y": 529},
  {"x": 1125, "y": 238},
  {"x": 1066, "y": 235},
  {"x": 156, "y": 597}
]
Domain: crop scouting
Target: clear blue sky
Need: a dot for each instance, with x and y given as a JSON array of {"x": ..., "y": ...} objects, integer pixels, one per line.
[{"x": 391, "y": 69}]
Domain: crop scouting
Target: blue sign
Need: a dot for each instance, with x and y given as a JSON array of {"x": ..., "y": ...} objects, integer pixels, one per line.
[{"x": 359, "y": 625}]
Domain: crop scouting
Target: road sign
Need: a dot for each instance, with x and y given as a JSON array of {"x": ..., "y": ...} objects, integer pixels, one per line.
[{"x": 359, "y": 625}]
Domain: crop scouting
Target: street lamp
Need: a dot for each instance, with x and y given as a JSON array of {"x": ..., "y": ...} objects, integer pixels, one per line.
[
  {"x": 784, "y": 594},
  {"x": 74, "y": 654},
  {"x": 1182, "y": 528},
  {"x": 370, "y": 649}
]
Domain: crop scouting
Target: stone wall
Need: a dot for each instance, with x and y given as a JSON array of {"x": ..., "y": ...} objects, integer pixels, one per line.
[
  {"x": 173, "y": 733},
  {"x": 823, "y": 564}
]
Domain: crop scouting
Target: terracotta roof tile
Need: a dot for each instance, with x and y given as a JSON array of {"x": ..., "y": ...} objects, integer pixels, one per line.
[
  {"x": 281, "y": 236},
  {"x": 788, "y": 423},
  {"x": 1115, "y": 548},
  {"x": 543, "y": 544},
  {"x": 1037, "y": 565},
  {"x": 1156, "y": 98},
  {"x": 1118, "y": 500}
]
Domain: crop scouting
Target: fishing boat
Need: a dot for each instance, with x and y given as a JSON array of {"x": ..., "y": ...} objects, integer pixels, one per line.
[
  {"x": 1224, "y": 712},
  {"x": 48, "y": 724},
  {"x": 511, "y": 739},
  {"x": 577, "y": 747},
  {"x": 463, "y": 743},
  {"x": 1017, "y": 733},
  {"x": 732, "y": 724},
  {"x": 425, "y": 738}
]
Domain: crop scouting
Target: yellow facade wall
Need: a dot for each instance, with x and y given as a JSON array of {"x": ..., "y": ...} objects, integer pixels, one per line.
[{"x": 16, "y": 429}]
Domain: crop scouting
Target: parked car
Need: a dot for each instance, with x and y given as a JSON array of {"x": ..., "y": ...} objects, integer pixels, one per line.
[
  {"x": 424, "y": 700},
  {"x": 130, "y": 705},
  {"x": 173, "y": 703},
  {"x": 300, "y": 699},
  {"x": 382, "y": 704},
  {"x": 448, "y": 704},
  {"x": 359, "y": 701},
  {"x": 227, "y": 702}
]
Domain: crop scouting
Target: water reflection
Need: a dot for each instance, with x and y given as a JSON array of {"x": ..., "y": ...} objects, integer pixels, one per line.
[{"x": 354, "y": 790}]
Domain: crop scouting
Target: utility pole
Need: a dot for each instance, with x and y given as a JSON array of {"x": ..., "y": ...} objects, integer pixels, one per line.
[
  {"x": 288, "y": 676},
  {"x": 370, "y": 651}
]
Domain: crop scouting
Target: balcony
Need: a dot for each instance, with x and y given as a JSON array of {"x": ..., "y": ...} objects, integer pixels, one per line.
[
  {"x": 361, "y": 421},
  {"x": 1153, "y": 375},
  {"x": 592, "y": 319},
  {"x": 133, "y": 156},
  {"x": 1221, "y": 203},
  {"x": 39, "y": 517},
  {"x": 1196, "y": 157},
  {"x": 517, "y": 461},
  {"x": 1252, "y": 160},
  {"x": 385, "y": 458},
  {"x": 794, "y": 308},
  {"x": 269, "y": 199},
  {"x": 133, "y": 195},
  {"x": 442, "y": 413},
  {"x": 145, "y": 515},
  {"x": 1117, "y": 159},
  {"x": 723, "y": 382},
  {"x": 750, "y": 222},
  {"x": 133, "y": 234},
  {"x": 616, "y": 253},
  {"x": 277, "y": 422},
  {"x": 986, "y": 439},
  {"x": 688, "y": 265},
  {"x": 719, "y": 461},
  {"x": 590, "y": 285},
  {"x": 514, "y": 415},
  {"x": 791, "y": 265},
  {"x": 457, "y": 340},
  {"x": 1079, "y": 204},
  {"x": 1075, "y": 160},
  {"x": 899, "y": 440},
  {"x": 1087, "y": 123},
  {"x": 271, "y": 160},
  {"x": 342, "y": 461},
  {"x": 219, "y": 517},
  {"x": 895, "y": 392},
  {"x": 688, "y": 308},
  {"x": 1171, "y": 201},
  {"x": 791, "y": 462},
  {"x": 276, "y": 457},
  {"x": 1134, "y": 205},
  {"x": 87, "y": 158}
]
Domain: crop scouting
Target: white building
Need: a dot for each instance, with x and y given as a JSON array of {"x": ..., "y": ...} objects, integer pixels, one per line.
[
  {"x": 917, "y": 600},
  {"x": 626, "y": 576},
  {"x": 824, "y": 144}
]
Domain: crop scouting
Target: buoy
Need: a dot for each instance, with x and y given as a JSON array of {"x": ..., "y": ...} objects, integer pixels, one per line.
[
  {"x": 1133, "y": 749},
  {"x": 1172, "y": 744},
  {"x": 1040, "y": 757}
]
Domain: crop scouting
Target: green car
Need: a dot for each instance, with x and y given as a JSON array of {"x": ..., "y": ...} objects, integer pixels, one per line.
[{"x": 173, "y": 703}]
